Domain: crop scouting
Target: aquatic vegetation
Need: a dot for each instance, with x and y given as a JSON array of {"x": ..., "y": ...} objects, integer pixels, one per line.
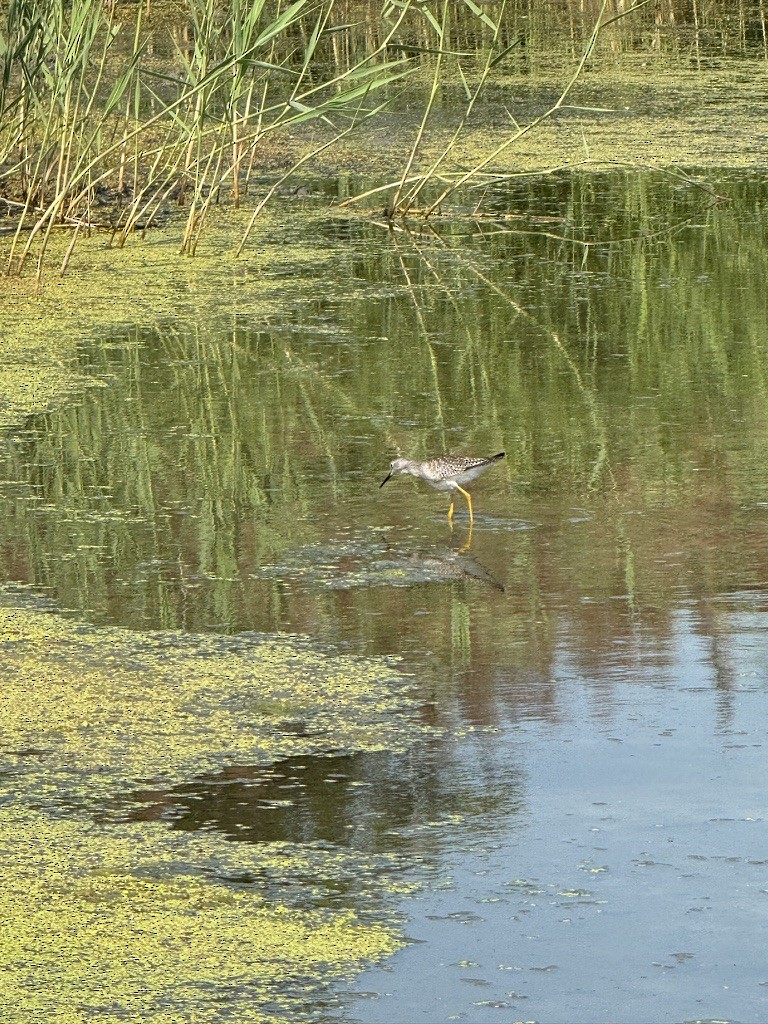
[
  {"x": 104, "y": 920},
  {"x": 96, "y": 136},
  {"x": 108, "y": 923},
  {"x": 44, "y": 325},
  {"x": 103, "y": 708},
  {"x": 111, "y": 118},
  {"x": 403, "y": 201}
]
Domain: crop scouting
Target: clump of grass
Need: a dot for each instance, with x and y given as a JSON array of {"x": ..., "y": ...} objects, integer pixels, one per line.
[
  {"x": 55, "y": 110},
  {"x": 86, "y": 124},
  {"x": 94, "y": 135}
]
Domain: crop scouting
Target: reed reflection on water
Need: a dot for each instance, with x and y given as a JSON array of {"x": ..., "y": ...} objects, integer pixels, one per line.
[{"x": 227, "y": 477}]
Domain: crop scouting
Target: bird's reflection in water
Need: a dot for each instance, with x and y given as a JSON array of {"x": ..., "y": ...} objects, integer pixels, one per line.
[
  {"x": 467, "y": 544},
  {"x": 375, "y": 561},
  {"x": 444, "y": 564}
]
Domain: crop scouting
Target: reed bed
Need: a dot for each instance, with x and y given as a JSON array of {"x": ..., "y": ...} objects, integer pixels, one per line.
[
  {"x": 94, "y": 135},
  {"x": 109, "y": 115}
]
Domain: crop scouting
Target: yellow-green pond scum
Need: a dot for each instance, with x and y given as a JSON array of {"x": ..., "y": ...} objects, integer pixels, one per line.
[
  {"x": 121, "y": 923},
  {"x": 101, "y": 920},
  {"x": 107, "y": 920}
]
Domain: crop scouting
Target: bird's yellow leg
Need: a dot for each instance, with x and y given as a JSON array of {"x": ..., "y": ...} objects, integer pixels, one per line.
[
  {"x": 450, "y": 513},
  {"x": 469, "y": 502}
]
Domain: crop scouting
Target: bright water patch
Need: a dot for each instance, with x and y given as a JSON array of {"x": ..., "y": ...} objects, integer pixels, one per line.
[{"x": 632, "y": 886}]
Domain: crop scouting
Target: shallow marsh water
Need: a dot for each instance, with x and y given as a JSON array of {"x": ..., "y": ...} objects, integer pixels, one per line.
[{"x": 585, "y": 825}]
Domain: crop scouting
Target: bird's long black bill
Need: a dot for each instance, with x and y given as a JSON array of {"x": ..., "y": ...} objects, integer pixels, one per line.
[{"x": 387, "y": 477}]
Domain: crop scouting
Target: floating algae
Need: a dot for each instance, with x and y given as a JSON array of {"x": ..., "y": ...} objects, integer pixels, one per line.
[
  {"x": 101, "y": 924},
  {"x": 106, "y": 288},
  {"x": 88, "y": 711},
  {"x": 106, "y": 921}
]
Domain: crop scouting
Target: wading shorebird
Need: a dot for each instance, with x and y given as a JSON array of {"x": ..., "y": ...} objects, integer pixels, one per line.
[{"x": 445, "y": 473}]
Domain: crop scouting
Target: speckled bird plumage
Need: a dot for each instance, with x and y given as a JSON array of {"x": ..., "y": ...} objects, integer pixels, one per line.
[{"x": 445, "y": 473}]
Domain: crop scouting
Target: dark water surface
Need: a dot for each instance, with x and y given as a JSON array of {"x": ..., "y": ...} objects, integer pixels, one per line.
[{"x": 588, "y": 827}]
